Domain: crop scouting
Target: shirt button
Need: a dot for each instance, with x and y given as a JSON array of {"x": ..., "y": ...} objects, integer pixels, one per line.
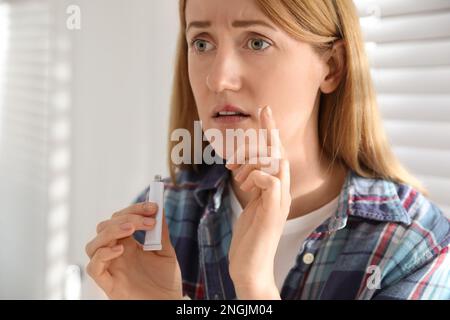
[{"x": 308, "y": 258}]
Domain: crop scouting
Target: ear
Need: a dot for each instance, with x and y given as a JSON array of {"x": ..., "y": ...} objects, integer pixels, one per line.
[{"x": 336, "y": 66}]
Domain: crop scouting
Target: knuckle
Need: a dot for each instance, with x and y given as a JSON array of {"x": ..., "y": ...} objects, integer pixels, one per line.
[
  {"x": 89, "y": 269},
  {"x": 130, "y": 219},
  {"x": 110, "y": 232},
  {"x": 254, "y": 173},
  {"x": 99, "y": 254},
  {"x": 273, "y": 182},
  {"x": 106, "y": 234},
  {"x": 115, "y": 214},
  {"x": 101, "y": 226},
  {"x": 87, "y": 249}
]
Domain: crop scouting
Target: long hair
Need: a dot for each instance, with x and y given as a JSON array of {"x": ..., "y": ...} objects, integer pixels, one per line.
[{"x": 350, "y": 128}]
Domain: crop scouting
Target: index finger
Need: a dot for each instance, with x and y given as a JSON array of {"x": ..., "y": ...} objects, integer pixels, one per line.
[
  {"x": 273, "y": 137},
  {"x": 142, "y": 208}
]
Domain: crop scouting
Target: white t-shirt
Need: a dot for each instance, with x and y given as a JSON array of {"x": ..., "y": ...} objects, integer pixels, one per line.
[{"x": 294, "y": 233}]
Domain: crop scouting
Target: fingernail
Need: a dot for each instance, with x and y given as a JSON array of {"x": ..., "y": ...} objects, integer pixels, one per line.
[
  {"x": 269, "y": 111},
  {"x": 148, "y": 221},
  {"x": 259, "y": 112},
  {"x": 126, "y": 226},
  {"x": 150, "y": 206}
]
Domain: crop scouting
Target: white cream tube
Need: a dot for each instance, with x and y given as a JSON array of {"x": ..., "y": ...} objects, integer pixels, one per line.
[{"x": 156, "y": 194}]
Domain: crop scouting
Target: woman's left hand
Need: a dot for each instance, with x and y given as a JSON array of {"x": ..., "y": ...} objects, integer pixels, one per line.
[{"x": 257, "y": 231}]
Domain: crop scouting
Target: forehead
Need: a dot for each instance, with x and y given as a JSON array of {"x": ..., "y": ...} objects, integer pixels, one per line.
[{"x": 222, "y": 11}]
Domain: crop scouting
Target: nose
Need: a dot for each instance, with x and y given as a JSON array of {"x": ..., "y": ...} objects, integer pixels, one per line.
[{"x": 224, "y": 73}]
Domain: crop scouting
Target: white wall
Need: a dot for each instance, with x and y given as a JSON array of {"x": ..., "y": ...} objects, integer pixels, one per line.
[{"x": 123, "y": 61}]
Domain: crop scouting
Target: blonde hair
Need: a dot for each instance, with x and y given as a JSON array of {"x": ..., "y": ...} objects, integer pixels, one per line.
[{"x": 350, "y": 129}]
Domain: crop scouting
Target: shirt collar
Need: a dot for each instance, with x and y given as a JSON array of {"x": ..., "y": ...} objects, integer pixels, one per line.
[
  {"x": 374, "y": 199},
  {"x": 212, "y": 178},
  {"x": 367, "y": 198}
]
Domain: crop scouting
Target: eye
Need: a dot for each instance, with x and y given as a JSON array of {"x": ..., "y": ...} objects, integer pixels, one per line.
[
  {"x": 258, "y": 44},
  {"x": 200, "y": 45}
]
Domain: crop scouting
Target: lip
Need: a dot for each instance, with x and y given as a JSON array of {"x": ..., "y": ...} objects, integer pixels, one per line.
[
  {"x": 229, "y": 108},
  {"x": 229, "y": 120}
]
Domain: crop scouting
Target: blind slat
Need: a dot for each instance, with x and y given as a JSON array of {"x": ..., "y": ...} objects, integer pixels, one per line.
[
  {"x": 425, "y": 161},
  {"x": 410, "y": 54},
  {"x": 408, "y": 28},
  {"x": 438, "y": 187},
  {"x": 424, "y": 135},
  {"x": 412, "y": 80},
  {"x": 415, "y": 107},
  {"x": 388, "y": 8}
]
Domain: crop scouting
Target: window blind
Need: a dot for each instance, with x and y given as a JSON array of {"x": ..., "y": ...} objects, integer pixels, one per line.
[
  {"x": 408, "y": 43},
  {"x": 24, "y": 80},
  {"x": 34, "y": 148}
]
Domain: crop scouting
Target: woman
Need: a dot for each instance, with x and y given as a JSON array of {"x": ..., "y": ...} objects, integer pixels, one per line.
[{"x": 339, "y": 218}]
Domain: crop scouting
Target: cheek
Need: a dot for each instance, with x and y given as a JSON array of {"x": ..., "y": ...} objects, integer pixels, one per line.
[
  {"x": 198, "y": 86},
  {"x": 291, "y": 91},
  {"x": 299, "y": 91},
  {"x": 195, "y": 74}
]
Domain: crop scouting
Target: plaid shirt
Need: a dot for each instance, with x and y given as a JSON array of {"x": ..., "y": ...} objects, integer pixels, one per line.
[{"x": 385, "y": 241}]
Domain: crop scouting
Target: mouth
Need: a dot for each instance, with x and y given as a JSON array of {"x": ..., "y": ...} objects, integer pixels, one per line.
[{"x": 229, "y": 114}]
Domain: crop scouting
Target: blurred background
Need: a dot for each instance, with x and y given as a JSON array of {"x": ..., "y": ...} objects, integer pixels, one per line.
[{"x": 84, "y": 98}]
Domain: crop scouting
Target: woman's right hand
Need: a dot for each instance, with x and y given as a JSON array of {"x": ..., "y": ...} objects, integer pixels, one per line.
[{"x": 121, "y": 267}]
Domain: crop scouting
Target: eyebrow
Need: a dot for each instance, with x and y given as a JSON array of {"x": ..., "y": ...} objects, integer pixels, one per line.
[{"x": 235, "y": 24}]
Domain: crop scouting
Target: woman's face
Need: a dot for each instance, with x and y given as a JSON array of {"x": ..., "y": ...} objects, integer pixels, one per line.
[{"x": 238, "y": 57}]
